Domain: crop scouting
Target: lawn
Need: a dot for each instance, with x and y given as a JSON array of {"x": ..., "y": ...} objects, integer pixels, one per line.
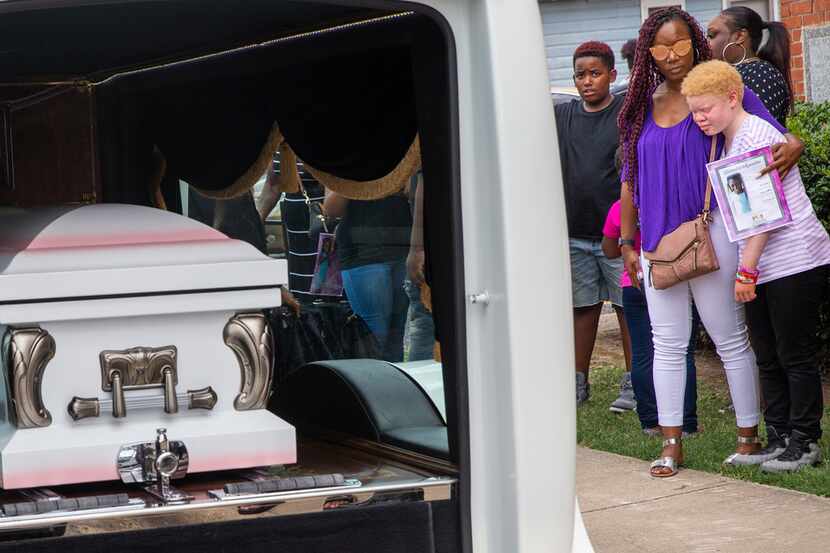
[{"x": 599, "y": 428}]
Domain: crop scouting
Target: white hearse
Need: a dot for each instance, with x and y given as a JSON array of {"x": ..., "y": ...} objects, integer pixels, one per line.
[{"x": 145, "y": 403}]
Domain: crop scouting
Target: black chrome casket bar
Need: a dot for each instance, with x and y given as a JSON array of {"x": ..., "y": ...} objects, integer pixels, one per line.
[
  {"x": 283, "y": 487},
  {"x": 64, "y": 512},
  {"x": 352, "y": 492}
]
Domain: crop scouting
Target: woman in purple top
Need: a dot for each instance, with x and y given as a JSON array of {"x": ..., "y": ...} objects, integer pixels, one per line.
[{"x": 665, "y": 156}]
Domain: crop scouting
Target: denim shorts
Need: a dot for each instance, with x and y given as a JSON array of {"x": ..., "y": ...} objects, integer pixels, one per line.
[{"x": 594, "y": 277}]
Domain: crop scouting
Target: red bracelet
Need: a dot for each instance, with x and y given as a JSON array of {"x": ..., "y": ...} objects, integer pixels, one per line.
[
  {"x": 746, "y": 278},
  {"x": 754, "y": 272}
]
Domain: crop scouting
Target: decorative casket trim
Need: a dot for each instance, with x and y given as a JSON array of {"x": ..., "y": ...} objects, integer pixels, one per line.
[
  {"x": 138, "y": 368},
  {"x": 31, "y": 350},
  {"x": 249, "y": 336}
]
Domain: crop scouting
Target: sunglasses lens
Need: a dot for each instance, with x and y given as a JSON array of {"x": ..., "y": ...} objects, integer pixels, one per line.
[
  {"x": 659, "y": 52},
  {"x": 682, "y": 47}
]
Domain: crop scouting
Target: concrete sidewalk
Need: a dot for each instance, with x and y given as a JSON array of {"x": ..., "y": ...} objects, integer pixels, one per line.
[{"x": 625, "y": 510}]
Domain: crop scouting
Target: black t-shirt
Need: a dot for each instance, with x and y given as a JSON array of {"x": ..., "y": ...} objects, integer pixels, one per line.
[
  {"x": 587, "y": 144},
  {"x": 767, "y": 82},
  {"x": 374, "y": 231}
]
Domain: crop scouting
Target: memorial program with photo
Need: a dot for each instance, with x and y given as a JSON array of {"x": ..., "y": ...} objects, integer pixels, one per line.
[{"x": 751, "y": 203}]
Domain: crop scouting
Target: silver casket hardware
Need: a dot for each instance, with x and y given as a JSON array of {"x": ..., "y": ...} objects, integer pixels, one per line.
[
  {"x": 140, "y": 368},
  {"x": 31, "y": 349},
  {"x": 155, "y": 463},
  {"x": 250, "y": 338}
]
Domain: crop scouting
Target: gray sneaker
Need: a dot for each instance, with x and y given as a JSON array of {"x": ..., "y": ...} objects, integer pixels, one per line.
[
  {"x": 583, "y": 389},
  {"x": 802, "y": 451},
  {"x": 625, "y": 401}
]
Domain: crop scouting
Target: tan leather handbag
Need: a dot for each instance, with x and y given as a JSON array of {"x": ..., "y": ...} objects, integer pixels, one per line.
[{"x": 686, "y": 252}]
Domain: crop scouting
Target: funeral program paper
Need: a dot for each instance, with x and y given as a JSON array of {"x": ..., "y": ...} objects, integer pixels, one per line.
[{"x": 751, "y": 203}]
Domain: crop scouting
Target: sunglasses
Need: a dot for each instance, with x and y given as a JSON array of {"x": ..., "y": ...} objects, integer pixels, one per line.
[{"x": 680, "y": 49}]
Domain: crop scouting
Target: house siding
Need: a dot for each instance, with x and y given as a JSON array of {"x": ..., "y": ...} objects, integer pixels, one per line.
[
  {"x": 569, "y": 23},
  {"x": 704, "y": 10}
]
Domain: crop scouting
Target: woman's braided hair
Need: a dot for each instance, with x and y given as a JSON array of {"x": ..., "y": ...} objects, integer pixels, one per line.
[{"x": 644, "y": 80}]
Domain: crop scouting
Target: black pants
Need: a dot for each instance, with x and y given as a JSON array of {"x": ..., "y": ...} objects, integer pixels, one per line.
[{"x": 783, "y": 321}]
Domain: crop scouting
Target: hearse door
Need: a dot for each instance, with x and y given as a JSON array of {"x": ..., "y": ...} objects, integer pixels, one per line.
[
  {"x": 519, "y": 337},
  {"x": 497, "y": 265}
]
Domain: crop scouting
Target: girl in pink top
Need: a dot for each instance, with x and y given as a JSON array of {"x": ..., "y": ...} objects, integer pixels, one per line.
[
  {"x": 782, "y": 278},
  {"x": 636, "y": 316}
]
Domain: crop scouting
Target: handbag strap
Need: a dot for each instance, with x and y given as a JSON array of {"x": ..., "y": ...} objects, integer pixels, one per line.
[
  {"x": 303, "y": 190},
  {"x": 708, "y": 197}
]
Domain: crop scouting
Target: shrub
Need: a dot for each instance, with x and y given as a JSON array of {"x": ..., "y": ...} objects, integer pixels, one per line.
[{"x": 811, "y": 123}]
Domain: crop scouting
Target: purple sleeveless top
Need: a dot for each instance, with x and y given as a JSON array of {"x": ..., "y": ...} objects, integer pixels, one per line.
[{"x": 671, "y": 182}]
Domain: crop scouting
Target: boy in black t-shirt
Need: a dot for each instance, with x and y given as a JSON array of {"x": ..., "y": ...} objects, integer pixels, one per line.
[{"x": 588, "y": 139}]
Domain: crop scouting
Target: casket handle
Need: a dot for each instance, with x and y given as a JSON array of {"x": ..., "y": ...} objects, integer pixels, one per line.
[
  {"x": 119, "y": 406},
  {"x": 171, "y": 404}
]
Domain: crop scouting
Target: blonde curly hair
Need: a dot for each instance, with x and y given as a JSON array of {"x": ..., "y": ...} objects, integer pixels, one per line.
[{"x": 716, "y": 78}]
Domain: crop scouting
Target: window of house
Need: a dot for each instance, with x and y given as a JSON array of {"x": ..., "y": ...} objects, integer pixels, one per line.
[
  {"x": 761, "y": 7},
  {"x": 648, "y": 7}
]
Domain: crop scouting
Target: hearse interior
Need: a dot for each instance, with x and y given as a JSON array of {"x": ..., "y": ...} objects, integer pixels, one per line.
[{"x": 144, "y": 406}]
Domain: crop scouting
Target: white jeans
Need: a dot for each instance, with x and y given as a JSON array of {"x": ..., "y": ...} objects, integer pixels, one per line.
[{"x": 671, "y": 324}]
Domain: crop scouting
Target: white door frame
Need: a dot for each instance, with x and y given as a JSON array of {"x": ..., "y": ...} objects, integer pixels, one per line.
[{"x": 774, "y": 8}]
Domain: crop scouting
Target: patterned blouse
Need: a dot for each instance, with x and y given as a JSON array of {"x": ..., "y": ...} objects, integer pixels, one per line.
[{"x": 767, "y": 82}]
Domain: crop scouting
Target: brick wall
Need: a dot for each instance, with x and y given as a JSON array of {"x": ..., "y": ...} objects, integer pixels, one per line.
[{"x": 797, "y": 14}]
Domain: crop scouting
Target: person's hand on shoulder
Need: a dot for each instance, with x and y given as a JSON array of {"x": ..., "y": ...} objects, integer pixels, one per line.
[{"x": 785, "y": 155}]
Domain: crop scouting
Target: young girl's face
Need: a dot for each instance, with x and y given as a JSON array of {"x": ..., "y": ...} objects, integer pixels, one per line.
[{"x": 712, "y": 113}]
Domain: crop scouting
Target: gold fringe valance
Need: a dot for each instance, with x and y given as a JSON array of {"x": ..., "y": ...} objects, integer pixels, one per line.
[
  {"x": 254, "y": 172},
  {"x": 375, "y": 189},
  {"x": 289, "y": 179}
]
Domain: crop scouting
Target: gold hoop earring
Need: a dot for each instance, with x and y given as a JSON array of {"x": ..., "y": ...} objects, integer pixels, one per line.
[{"x": 725, "y": 48}]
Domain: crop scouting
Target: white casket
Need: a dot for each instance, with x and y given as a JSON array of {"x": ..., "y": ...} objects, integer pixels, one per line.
[{"x": 117, "y": 320}]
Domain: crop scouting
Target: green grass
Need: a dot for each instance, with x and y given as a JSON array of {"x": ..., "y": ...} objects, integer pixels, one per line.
[{"x": 599, "y": 428}]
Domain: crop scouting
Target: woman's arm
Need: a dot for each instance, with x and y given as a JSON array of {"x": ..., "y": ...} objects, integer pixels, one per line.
[
  {"x": 749, "y": 260},
  {"x": 784, "y": 155},
  {"x": 271, "y": 193},
  {"x": 628, "y": 229},
  {"x": 334, "y": 205},
  {"x": 416, "y": 258},
  {"x": 611, "y": 233}
]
